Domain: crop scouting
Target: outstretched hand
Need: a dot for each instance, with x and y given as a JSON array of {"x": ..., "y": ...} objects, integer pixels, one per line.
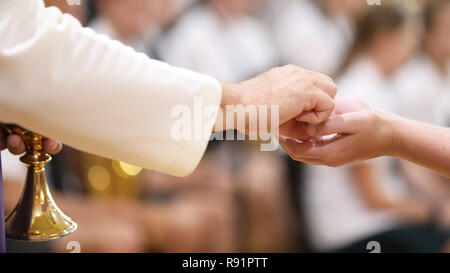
[
  {"x": 16, "y": 146},
  {"x": 299, "y": 93},
  {"x": 355, "y": 132}
]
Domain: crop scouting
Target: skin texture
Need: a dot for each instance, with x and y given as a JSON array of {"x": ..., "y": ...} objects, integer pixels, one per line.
[
  {"x": 360, "y": 132},
  {"x": 299, "y": 93}
]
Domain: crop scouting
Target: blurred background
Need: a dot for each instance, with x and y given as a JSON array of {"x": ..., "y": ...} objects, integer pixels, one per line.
[{"x": 395, "y": 56}]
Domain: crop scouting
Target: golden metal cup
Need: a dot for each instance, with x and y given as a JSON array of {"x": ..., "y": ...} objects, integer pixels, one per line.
[{"x": 36, "y": 216}]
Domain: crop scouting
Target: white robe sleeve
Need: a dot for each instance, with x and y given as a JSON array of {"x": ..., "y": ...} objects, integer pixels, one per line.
[{"x": 67, "y": 82}]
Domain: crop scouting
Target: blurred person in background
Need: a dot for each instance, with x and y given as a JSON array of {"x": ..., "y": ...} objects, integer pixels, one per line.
[
  {"x": 423, "y": 83},
  {"x": 225, "y": 39},
  {"x": 315, "y": 34},
  {"x": 201, "y": 206},
  {"x": 220, "y": 38},
  {"x": 133, "y": 22},
  {"x": 423, "y": 87},
  {"x": 348, "y": 207},
  {"x": 190, "y": 214},
  {"x": 197, "y": 209},
  {"x": 268, "y": 221},
  {"x": 137, "y": 23}
]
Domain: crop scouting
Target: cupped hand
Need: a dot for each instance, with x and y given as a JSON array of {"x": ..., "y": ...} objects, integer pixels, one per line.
[{"x": 355, "y": 132}]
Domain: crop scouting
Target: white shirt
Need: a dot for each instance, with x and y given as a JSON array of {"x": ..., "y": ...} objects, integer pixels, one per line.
[
  {"x": 309, "y": 38},
  {"x": 424, "y": 92},
  {"x": 95, "y": 94},
  {"x": 228, "y": 49},
  {"x": 336, "y": 213}
]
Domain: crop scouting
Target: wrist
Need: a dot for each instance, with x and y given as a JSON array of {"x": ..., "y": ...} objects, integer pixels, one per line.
[
  {"x": 230, "y": 97},
  {"x": 393, "y": 135},
  {"x": 230, "y": 94}
]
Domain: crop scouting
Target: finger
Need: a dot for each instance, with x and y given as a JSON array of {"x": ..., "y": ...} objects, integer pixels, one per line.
[
  {"x": 322, "y": 109},
  {"x": 295, "y": 129},
  {"x": 326, "y": 150},
  {"x": 311, "y": 161},
  {"x": 52, "y": 146},
  {"x": 325, "y": 84},
  {"x": 2, "y": 140},
  {"x": 15, "y": 144},
  {"x": 309, "y": 117},
  {"x": 342, "y": 124},
  {"x": 306, "y": 160},
  {"x": 298, "y": 149}
]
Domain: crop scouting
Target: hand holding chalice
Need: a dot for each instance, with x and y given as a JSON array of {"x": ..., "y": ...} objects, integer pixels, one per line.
[{"x": 36, "y": 217}]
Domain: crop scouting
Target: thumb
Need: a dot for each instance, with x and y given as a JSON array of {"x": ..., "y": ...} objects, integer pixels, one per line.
[{"x": 343, "y": 124}]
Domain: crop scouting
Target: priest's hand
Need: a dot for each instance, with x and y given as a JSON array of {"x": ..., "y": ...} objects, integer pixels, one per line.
[
  {"x": 16, "y": 146},
  {"x": 299, "y": 93}
]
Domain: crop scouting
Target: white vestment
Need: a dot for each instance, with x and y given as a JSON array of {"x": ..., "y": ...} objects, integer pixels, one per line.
[{"x": 95, "y": 94}]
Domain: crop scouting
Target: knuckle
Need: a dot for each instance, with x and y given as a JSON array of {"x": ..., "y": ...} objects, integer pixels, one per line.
[
  {"x": 328, "y": 78},
  {"x": 292, "y": 66},
  {"x": 331, "y": 89},
  {"x": 311, "y": 73},
  {"x": 370, "y": 116},
  {"x": 307, "y": 84}
]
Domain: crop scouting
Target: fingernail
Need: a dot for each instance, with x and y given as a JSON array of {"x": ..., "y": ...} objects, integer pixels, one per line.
[
  {"x": 14, "y": 144},
  {"x": 53, "y": 147}
]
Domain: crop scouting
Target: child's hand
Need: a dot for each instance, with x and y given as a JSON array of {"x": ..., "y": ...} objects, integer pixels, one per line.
[{"x": 360, "y": 133}]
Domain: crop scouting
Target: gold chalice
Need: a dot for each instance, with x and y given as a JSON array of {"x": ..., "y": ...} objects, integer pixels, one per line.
[{"x": 36, "y": 216}]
